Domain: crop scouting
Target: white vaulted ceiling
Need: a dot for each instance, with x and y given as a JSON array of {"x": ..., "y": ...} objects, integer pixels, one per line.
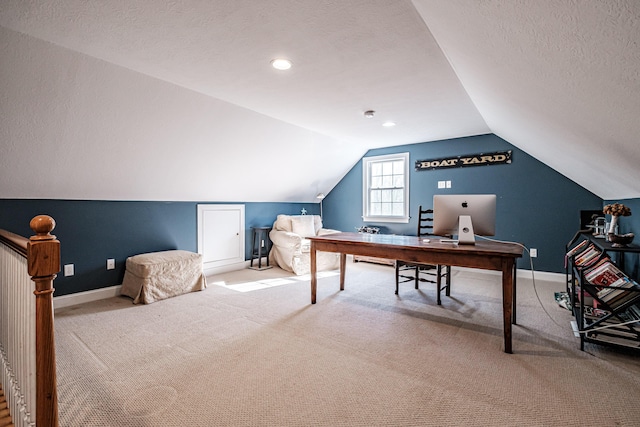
[{"x": 201, "y": 105}]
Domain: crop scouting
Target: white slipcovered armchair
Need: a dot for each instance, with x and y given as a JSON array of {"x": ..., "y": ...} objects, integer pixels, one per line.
[{"x": 290, "y": 246}]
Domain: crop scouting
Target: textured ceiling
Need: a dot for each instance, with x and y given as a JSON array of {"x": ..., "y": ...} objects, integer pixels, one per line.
[
  {"x": 560, "y": 79},
  {"x": 557, "y": 79}
]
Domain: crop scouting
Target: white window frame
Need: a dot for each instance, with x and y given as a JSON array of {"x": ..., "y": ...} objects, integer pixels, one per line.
[{"x": 367, "y": 164}]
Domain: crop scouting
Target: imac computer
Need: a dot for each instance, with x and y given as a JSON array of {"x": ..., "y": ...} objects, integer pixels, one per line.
[{"x": 464, "y": 215}]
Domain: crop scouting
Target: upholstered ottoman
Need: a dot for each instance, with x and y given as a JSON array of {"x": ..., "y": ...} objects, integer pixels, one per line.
[{"x": 158, "y": 275}]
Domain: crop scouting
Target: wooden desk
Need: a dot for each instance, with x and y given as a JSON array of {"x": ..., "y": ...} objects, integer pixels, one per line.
[{"x": 484, "y": 255}]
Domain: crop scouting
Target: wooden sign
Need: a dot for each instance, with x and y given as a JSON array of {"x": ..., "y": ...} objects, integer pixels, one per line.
[{"x": 484, "y": 159}]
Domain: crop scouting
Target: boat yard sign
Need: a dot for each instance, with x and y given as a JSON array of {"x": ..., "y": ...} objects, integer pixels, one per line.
[{"x": 497, "y": 158}]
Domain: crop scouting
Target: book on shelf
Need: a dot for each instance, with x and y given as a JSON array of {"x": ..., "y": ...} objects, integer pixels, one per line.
[
  {"x": 620, "y": 294},
  {"x": 587, "y": 257},
  {"x": 604, "y": 273},
  {"x": 578, "y": 248},
  {"x": 623, "y": 299},
  {"x": 608, "y": 293},
  {"x": 634, "y": 312}
]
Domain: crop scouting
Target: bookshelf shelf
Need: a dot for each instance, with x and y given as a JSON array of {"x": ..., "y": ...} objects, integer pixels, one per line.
[{"x": 604, "y": 299}]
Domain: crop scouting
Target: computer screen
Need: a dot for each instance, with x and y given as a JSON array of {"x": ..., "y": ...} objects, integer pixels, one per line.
[{"x": 464, "y": 215}]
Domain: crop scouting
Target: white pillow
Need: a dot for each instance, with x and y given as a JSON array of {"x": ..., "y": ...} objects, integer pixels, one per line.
[
  {"x": 283, "y": 223},
  {"x": 303, "y": 225}
]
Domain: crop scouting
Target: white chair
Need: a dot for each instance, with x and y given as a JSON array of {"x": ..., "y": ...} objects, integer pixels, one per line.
[{"x": 290, "y": 248}]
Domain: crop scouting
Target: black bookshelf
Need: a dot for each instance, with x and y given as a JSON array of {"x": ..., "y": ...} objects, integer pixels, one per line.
[{"x": 601, "y": 318}]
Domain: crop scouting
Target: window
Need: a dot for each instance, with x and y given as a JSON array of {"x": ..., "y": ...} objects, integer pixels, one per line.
[{"x": 385, "y": 183}]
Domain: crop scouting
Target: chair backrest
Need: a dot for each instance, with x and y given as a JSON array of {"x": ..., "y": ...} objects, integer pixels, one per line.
[
  {"x": 425, "y": 222},
  {"x": 285, "y": 222}
]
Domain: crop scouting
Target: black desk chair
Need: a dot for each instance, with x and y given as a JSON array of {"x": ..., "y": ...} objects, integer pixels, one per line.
[{"x": 409, "y": 271}]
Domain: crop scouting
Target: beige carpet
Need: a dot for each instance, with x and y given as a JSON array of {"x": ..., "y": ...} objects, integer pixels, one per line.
[{"x": 250, "y": 351}]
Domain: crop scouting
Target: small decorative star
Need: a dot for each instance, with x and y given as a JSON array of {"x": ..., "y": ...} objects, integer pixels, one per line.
[{"x": 304, "y": 211}]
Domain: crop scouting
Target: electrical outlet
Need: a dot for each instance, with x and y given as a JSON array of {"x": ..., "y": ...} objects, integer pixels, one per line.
[
  {"x": 111, "y": 264},
  {"x": 533, "y": 252},
  {"x": 68, "y": 270},
  {"x": 441, "y": 184}
]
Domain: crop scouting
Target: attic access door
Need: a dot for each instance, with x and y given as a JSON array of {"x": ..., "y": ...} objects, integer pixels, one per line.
[{"x": 221, "y": 237}]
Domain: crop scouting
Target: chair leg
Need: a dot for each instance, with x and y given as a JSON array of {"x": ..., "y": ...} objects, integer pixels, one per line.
[
  {"x": 417, "y": 278},
  {"x": 439, "y": 282},
  {"x": 397, "y": 274},
  {"x": 448, "y": 280}
]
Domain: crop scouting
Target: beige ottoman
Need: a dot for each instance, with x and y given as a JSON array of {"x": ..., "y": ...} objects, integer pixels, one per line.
[{"x": 159, "y": 275}]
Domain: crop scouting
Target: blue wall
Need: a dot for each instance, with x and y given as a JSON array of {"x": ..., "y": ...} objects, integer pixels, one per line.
[
  {"x": 536, "y": 205},
  {"x": 92, "y": 231}
]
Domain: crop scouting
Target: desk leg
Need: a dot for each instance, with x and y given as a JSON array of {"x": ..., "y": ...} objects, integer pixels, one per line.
[
  {"x": 314, "y": 279},
  {"x": 507, "y": 302},
  {"x": 515, "y": 288},
  {"x": 343, "y": 266}
]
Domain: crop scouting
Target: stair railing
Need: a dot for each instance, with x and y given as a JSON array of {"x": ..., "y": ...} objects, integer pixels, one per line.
[{"x": 27, "y": 342}]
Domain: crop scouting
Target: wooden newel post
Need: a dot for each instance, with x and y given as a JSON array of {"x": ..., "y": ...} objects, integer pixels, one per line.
[{"x": 43, "y": 258}]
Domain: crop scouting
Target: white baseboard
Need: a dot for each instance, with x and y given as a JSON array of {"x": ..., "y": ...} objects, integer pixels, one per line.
[
  {"x": 524, "y": 274},
  {"x": 232, "y": 267},
  {"x": 87, "y": 296},
  {"x": 543, "y": 275}
]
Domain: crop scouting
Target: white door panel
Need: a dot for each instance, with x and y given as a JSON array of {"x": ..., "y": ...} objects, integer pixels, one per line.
[{"x": 221, "y": 235}]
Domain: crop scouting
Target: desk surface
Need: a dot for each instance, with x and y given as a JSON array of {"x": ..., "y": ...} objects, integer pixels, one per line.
[
  {"x": 482, "y": 246},
  {"x": 484, "y": 254}
]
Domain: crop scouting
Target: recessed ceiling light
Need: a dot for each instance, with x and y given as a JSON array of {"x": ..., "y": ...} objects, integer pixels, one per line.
[
  {"x": 281, "y": 64},
  {"x": 388, "y": 124}
]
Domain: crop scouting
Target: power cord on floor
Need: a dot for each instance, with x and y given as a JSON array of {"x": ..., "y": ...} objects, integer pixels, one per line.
[{"x": 533, "y": 278}]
